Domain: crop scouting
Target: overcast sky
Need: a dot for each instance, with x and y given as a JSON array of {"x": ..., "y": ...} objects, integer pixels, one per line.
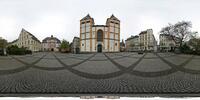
[{"x": 61, "y": 17}]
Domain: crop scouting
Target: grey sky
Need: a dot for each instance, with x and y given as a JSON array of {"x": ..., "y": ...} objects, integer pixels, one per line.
[{"x": 61, "y": 17}]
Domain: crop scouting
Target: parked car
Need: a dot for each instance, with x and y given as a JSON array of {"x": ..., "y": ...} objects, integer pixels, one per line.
[{"x": 140, "y": 52}]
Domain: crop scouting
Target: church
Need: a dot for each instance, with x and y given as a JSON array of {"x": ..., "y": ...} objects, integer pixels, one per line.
[{"x": 99, "y": 38}]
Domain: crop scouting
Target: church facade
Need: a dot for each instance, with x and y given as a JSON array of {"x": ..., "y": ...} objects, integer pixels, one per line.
[{"x": 99, "y": 38}]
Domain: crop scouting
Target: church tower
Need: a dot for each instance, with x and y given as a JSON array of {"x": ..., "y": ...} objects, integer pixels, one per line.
[{"x": 99, "y": 38}]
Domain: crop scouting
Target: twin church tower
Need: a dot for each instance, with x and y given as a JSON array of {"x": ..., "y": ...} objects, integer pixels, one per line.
[{"x": 99, "y": 38}]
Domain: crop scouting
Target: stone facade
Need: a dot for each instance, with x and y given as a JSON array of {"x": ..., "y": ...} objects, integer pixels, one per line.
[
  {"x": 147, "y": 41},
  {"x": 75, "y": 45},
  {"x": 166, "y": 43},
  {"x": 122, "y": 46},
  {"x": 27, "y": 40},
  {"x": 133, "y": 43},
  {"x": 3, "y": 45},
  {"x": 99, "y": 38},
  {"x": 51, "y": 44}
]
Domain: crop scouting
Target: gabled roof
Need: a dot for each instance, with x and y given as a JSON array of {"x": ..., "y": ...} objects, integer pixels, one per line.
[
  {"x": 33, "y": 37},
  {"x": 48, "y": 38},
  {"x": 14, "y": 41},
  {"x": 86, "y": 17}
]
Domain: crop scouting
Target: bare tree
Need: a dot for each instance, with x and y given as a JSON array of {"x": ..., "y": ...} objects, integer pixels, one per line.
[
  {"x": 178, "y": 32},
  {"x": 194, "y": 42}
]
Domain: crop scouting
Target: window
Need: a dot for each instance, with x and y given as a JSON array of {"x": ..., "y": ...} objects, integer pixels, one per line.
[
  {"x": 115, "y": 44},
  {"x": 100, "y": 35},
  {"x": 82, "y": 44}
]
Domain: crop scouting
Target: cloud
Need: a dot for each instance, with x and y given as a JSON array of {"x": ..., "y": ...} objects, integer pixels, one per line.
[{"x": 61, "y": 17}]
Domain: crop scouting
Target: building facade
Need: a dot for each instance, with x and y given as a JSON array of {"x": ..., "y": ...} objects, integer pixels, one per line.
[
  {"x": 122, "y": 46},
  {"x": 3, "y": 45},
  {"x": 27, "y": 40},
  {"x": 99, "y": 38},
  {"x": 132, "y": 43},
  {"x": 75, "y": 45},
  {"x": 166, "y": 43},
  {"x": 51, "y": 44},
  {"x": 147, "y": 41}
]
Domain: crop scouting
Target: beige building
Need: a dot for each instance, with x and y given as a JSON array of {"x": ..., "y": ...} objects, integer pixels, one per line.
[
  {"x": 132, "y": 43},
  {"x": 51, "y": 44},
  {"x": 27, "y": 40},
  {"x": 147, "y": 41},
  {"x": 99, "y": 38},
  {"x": 166, "y": 43}
]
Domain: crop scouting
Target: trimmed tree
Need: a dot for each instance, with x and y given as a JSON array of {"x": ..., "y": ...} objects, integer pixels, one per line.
[{"x": 64, "y": 46}]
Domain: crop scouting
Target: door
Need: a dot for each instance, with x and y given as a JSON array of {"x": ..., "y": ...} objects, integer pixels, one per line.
[{"x": 99, "y": 48}]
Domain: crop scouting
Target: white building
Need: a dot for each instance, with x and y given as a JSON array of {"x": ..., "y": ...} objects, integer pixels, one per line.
[
  {"x": 51, "y": 44},
  {"x": 166, "y": 43},
  {"x": 99, "y": 38},
  {"x": 147, "y": 41},
  {"x": 27, "y": 40}
]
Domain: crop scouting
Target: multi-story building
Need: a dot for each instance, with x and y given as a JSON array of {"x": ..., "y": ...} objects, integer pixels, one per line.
[
  {"x": 166, "y": 43},
  {"x": 122, "y": 46},
  {"x": 3, "y": 44},
  {"x": 132, "y": 43},
  {"x": 75, "y": 45},
  {"x": 147, "y": 41},
  {"x": 51, "y": 44},
  {"x": 99, "y": 38},
  {"x": 27, "y": 40}
]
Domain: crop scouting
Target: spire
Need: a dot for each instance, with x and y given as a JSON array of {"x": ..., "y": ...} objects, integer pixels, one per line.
[
  {"x": 113, "y": 17},
  {"x": 86, "y": 17}
]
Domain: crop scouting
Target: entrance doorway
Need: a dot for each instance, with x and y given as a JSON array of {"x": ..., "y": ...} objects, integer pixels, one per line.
[
  {"x": 99, "y": 48},
  {"x": 52, "y": 49}
]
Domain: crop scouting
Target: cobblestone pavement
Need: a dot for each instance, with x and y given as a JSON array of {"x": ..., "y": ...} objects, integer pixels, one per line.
[{"x": 100, "y": 73}]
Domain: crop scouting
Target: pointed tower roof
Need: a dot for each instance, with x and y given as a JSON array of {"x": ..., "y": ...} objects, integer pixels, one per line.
[
  {"x": 86, "y": 17},
  {"x": 114, "y": 18}
]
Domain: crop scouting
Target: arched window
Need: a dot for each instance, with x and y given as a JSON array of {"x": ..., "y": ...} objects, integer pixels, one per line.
[{"x": 100, "y": 35}]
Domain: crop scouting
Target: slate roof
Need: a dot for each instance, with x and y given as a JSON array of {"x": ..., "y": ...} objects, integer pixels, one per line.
[
  {"x": 114, "y": 18},
  {"x": 132, "y": 37},
  {"x": 33, "y": 37},
  {"x": 86, "y": 17},
  {"x": 99, "y": 26},
  {"x": 48, "y": 38}
]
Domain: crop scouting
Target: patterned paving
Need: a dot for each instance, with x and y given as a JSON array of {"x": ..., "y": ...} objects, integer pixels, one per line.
[{"x": 100, "y": 73}]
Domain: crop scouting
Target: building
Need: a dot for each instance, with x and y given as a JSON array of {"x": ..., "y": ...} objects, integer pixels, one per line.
[
  {"x": 122, "y": 46},
  {"x": 147, "y": 41},
  {"x": 51, "y": 44},
  {"x": 3, "y": 44},
  {"x": 27, "y": 40},
  {"x": 99, "y": 38},
  {"x": 75, "y": 45},
  {"x": 166, "y": 43},
  {"x": 132, "y": 43}
]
